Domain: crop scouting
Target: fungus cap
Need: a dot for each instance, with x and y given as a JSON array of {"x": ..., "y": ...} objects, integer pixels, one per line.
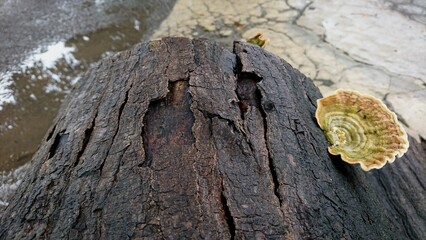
[{"x": 361, "y": 129}]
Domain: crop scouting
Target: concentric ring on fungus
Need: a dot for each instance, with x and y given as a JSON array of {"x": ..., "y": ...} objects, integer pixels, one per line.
[{"x": 361, "y": 129}]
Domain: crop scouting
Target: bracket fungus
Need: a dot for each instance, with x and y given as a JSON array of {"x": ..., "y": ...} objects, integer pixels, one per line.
[{"x": 361, "y": 129}]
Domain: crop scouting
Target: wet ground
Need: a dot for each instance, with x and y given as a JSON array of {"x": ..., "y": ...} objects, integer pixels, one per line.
[
  {"x": 45, "y": 48},
  {"x": 374, "y": 46}
]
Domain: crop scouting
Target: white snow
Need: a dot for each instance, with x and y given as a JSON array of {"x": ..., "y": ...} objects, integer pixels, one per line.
[
  {"x": 6, "y": 94},
  {"x": 48, "y": 56},
  {"x": 45, "y": 57}
]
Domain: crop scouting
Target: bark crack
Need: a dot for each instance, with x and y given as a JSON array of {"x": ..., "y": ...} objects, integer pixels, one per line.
[
  {"x": 249, "y": 95},
  {"x": 60, "y": 140},
  {"x": 87, "y": 136},
  {"x": 272, "y": 169},
  {"x": 228, "y": 216},
  {"x": 51, "y": 133},
  {"x": 120, "y": 112}
]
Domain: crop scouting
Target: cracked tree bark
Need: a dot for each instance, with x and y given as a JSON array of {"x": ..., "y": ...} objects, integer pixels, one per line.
[{"x": 182, "y": 138}]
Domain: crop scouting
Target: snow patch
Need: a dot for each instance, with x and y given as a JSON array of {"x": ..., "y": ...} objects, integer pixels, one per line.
[
  {"x": 137, "y": 25},
  {"x": 6, "y": 94},
  {"x": 48, "y": 56}
]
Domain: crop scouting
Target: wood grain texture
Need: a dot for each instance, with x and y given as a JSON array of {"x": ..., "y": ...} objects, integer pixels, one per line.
[{"x": 180, "y": 138}]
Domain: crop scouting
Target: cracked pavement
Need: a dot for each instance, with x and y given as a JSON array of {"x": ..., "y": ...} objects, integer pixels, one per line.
[{"x": 375, "y": 47}]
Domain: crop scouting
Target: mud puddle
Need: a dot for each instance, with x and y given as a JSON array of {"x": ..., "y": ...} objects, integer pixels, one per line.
[{"x": 30, "y": 97}]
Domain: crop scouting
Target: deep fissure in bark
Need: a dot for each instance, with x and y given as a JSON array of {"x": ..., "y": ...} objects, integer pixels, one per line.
[
  {"x": 228, "y": 216},
  {"x": 168, "y": 121},
  {"x": 269, "y": 106},
  {"x": 60, "y": 141},
  {"x": 51, "y": 133},
  {"x": 274, "y": 179},
  {"x": 87, "y": 135},
  {"x": 120, "y": 112},
  {"x": 247, "y": 92},
  {"x": 249, "y": 95}
]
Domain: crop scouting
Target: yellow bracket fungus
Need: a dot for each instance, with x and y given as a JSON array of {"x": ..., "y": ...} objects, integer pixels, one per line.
[{"x": 361, "y": 129}]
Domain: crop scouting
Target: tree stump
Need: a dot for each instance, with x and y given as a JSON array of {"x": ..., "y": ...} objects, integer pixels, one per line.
[{"x": 182, "y": 138}]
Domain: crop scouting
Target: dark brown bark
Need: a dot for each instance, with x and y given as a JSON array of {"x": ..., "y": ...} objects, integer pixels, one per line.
[{"x": 182, "y": 138}]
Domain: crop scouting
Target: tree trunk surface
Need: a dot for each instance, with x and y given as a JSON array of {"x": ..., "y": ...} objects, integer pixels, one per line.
[{"x": 181, "y": 138}]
